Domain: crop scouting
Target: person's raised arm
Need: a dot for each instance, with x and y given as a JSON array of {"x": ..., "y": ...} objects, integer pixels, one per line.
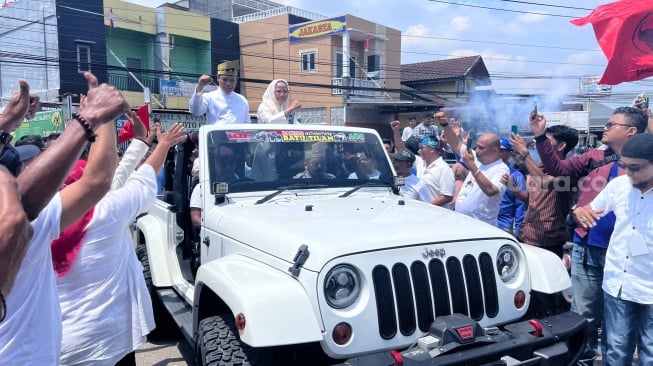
[
  {"x": 449, "y": 133},
  {"x": 16, "y": 231},
  {"x": 515, "y": 188},
  {"x": 519, "y": 146},
  {"x": 134, "y": 154},
  {"x": 45, "y": 175},
  {"x": 16, "y": 108},
  {"x": 167, "y": 139},
  {"x": 80, "y": 196},
  {"x": 197, "y": 105},
  {"x": 396, "y": 136},
  {"x": 484, "y": 183}
]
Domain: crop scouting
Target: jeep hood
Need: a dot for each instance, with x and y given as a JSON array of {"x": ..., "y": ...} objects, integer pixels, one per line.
[{"x": 333, "y": 227}]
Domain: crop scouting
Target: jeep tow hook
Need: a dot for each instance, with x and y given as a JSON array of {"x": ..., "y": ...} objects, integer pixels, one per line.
[{"x": 299, "y": 260}]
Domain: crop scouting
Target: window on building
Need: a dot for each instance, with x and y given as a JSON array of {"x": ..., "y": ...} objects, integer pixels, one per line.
[
  {"x": 83, "y": 57},
  {"x": 309, "y": 61},
  {"x": 353, "y": 70},
  {"x": 460, "y": 87},
  {"x": 374, "y": 67}
]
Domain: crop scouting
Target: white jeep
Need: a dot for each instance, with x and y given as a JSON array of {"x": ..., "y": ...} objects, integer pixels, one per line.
[{"x": 307, "y": 255}]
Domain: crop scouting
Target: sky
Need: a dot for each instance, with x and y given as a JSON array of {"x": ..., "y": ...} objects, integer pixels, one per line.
[{"x": 528, "y": 47}]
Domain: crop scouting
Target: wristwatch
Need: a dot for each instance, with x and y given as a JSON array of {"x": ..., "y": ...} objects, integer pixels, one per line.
[{"x": 5, "y": 137}]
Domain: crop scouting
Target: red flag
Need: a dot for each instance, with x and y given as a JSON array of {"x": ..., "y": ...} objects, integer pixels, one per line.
[
  {"x": 127, "y": 131},
  {"x": 624, "y": 30},
  {"x": 367, "y": 43},
  {"x": 112, "y": 19}
]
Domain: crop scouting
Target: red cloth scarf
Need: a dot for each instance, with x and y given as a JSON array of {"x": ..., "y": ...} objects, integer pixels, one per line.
[{"x": 65, "y": 248}]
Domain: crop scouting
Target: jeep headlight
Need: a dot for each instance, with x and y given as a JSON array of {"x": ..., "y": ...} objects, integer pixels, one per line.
[
  {"x": 342, "y": 286},
  {"x": 507, "y": 262}
]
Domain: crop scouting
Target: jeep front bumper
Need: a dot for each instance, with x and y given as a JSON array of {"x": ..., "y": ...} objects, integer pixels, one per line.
[{"x": 458, "y": 340}]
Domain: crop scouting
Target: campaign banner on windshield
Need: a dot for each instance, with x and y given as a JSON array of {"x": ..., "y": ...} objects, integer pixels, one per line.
[{"x": 320, "y": 28}]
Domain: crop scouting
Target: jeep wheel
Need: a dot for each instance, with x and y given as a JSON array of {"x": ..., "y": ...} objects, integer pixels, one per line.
[{"x": 218, "y": 344}]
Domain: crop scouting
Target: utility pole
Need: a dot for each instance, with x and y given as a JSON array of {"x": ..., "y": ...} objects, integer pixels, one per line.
[{"x": 345, "y": 75}]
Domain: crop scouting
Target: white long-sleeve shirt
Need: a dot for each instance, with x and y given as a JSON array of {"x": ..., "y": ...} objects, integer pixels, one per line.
[
  {"x": 630, "y": 253},
  {"x": 106, "y": 309},
  {"x": 220, "y": 107}
]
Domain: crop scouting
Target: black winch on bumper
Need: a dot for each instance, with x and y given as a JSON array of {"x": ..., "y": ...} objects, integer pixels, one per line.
[{"x": 458, "y": 340}]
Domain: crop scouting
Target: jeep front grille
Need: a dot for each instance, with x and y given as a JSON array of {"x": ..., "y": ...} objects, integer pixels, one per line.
[{"x": 407, "y": 298}]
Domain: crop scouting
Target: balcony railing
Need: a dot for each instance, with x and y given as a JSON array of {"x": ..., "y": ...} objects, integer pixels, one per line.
[
  {"x": 354, "y": 83},
  {"x": 126, "y": 82}
]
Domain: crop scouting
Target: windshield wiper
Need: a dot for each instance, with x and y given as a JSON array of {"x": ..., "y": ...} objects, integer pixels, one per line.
[
  {"x": 368, "y": 184},
  {"x": 283, "y": 189}
]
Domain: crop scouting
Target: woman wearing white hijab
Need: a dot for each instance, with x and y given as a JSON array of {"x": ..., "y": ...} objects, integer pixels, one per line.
[{"x": 274, "y": 107}]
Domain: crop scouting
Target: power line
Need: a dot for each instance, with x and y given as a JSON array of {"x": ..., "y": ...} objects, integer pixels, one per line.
[
  {"x": 549, "y": 5},
  {"x": 500, "y": 9}
]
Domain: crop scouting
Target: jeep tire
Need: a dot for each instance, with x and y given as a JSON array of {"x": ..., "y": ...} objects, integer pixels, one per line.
[
  {"x": 165, "y": 325},
  {"x": 218, "y": 344}
]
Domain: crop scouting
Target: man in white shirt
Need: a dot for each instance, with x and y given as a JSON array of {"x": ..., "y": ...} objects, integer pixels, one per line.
[
  {"x": 482, "y": 189},
  {"x": 402, "y": 161},
  {"x": 408, "y": 130},
  {"x": 222, "y": 105},
  {"x": 627, "y": 275},
  {"x": 437, "y": 176}
]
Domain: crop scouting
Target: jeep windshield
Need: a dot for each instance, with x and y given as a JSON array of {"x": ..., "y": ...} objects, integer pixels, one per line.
[{"x": 259, "y": 159}]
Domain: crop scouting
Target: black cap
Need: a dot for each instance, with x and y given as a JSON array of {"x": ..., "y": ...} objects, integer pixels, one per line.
[
  {"x": 403, "y": 155},
  {"x": 639, "y": 146},
  {"x": 10, "y": 159}
]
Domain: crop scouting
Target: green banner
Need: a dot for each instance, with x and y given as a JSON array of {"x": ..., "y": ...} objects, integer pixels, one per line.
[{"x": 43, "y": 124}]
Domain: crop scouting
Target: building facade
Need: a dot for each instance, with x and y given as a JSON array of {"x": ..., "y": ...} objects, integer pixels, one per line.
[{"x": 310, "y": 54}]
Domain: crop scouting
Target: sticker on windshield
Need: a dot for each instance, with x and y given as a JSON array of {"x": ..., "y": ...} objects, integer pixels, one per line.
[{"x": 296, "y": 136}]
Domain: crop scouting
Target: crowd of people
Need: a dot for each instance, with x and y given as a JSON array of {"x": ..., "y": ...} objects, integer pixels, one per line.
[
  {"x": 605, "y": 190},
  {"x": 71, "y": 287}
]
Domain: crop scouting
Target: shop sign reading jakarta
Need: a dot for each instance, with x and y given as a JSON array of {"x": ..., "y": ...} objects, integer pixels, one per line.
[{"x": 327, "y": 27}]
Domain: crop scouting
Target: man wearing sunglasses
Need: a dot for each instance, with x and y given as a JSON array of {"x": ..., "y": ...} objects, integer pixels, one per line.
[
  {"x": 590, "y": 172},
  {"x": 628, "y": 278}
]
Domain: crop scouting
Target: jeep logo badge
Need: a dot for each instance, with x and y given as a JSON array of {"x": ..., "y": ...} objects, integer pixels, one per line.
[{"x": 431, "y": 253}]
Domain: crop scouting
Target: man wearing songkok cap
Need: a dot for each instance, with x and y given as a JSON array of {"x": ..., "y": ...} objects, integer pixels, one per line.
[
  {"x": 222, "y": 105},
  {"x": 315, "y": 164},
  {"x": 628, "y": 275}
]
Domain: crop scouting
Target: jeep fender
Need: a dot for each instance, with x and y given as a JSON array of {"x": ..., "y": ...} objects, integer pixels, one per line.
[
  {"x": 276, "y": 308},
  {"x": 154, "y": 233},
  {"x": 548, "y": 273}
]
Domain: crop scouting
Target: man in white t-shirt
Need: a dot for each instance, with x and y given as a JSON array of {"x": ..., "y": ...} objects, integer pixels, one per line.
[
  {"x": 408, "y": 130},
  {"x": 481, "y": 192}
]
